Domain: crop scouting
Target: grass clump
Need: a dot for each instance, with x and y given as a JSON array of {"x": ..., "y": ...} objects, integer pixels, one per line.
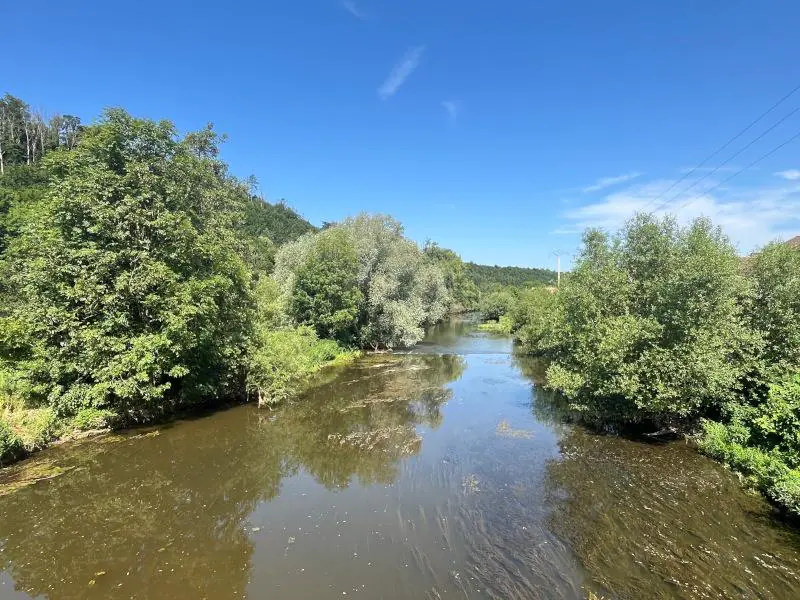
[
  {"x": 89, "y": 419},
  {"x": 762, "y": 471},
  {"x": 10, "y": 445}
]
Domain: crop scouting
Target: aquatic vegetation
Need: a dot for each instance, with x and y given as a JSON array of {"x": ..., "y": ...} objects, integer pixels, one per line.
[{"x": 504, "y": 429}]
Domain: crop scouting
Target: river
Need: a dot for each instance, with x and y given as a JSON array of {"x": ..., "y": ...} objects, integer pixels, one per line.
[{"x": 442, "y": 473}]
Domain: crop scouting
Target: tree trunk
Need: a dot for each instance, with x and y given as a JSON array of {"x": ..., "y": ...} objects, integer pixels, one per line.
[{"x": 27, "y": 142}]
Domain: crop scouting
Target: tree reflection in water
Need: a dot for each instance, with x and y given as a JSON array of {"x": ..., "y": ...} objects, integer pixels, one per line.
[{"x": 164, "y": 514}]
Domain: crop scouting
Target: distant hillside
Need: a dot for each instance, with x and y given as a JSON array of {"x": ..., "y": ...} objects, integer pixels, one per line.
[
  {"x": 277, "y": 221},
  {"x": 486, "y": 276}
]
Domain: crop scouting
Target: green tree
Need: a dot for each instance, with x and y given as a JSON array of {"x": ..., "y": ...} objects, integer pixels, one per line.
[
  {"x": 488, "y": 277},
  {"x": 650, "y": 324},
  {"x": 775, "y": 307},
  {"x": 326, "y": 293},
  {"x": 464, "y": 295},
  {"x": 533, "y": 317},
  {"x": 497, "y": 303},
  {"x": 26, "y": 135},
  {"x": 125, "y": 280},
  {"x": 278, "y": 221},
  {"x": 399, "y": 291}
]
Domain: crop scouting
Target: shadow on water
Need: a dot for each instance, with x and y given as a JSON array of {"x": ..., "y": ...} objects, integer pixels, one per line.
[{"x": 443, "y": 473}]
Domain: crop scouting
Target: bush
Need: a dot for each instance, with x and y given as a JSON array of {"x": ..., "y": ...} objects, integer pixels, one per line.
[
  {"x": 33, "y": 427},
  {"x": 649, "y": 325},
  {"x": 533, "y": 319},
  {"x": 11, "y": 447},
  {"x": 281, "y": 362},
  {"x": 94, "y": 418},
  {"x": 763, "y": 471},
  {"x": 775, "y": 424},
  {"x": 504, "y": 325},
  {"x": 496, "y": 304}
]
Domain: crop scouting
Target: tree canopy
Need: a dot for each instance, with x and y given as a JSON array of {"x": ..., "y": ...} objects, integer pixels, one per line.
[
  {"x": 129, "y": 285},
  {"x": 137, "y": 276},
  {"x": 370, "y": 283},
  {"x": 487, "y": 277},
  {"x": 665, "y": 326}
]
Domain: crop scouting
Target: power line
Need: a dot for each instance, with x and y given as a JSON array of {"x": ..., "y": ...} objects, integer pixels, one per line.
[
  {"x": 721, "y": 148},
  {"x": 726, "y": 161},
  {"x": 742, "y": 170}
]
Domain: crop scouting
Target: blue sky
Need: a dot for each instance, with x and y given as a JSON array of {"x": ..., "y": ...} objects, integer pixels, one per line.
[{"x": 498, "y": 128}]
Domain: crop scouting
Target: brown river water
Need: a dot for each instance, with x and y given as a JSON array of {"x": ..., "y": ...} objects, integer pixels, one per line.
[{"x": 443, "y": 473}]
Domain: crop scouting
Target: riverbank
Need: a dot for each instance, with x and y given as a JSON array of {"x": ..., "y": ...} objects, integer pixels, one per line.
[{"x": 25, "y": 431}]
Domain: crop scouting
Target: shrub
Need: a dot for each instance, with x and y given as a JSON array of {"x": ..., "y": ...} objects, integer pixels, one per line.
[
  {"x": 775, "y": 424},
  {"x": 534, "y": 318},
  {"x": 496, "y": 304},
  {"x": 281, "y": 362},
  {"x": 504, "y": 325},
  {"x": 94, "y": 418},
  {"x": 650, "y": 324},
  {"x": 763, "y": 471},
  {"x": 11, "y": 447}
]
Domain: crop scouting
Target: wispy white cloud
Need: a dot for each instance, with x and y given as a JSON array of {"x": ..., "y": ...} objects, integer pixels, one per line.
[
  {"x": 605, "y": 182},
  {"x": 791, "y": 174},
  {"x": 452, "y": 109},
  {"x": 750, "y": 216},
  {"x": 401, "y": 72},
  {"x": 351, "y": 7}
]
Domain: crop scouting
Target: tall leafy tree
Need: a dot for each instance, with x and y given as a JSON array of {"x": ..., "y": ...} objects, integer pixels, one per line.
[
  {"x": 464, "y": 295},
  {"x": 326, "y": 293},
  {"x": 127, "y": 287},
  {"x": 26, "y": 135},
  {"x": 651, "y": 324},
  {"x": 396, "y": 289},
  {"x": 775, "y": 308}
]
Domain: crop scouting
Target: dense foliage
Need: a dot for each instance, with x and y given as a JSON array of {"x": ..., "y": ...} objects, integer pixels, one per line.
[
  {"x": 488, "y": 277},
  {"x": 278, "y": 222},
  {"x": 362, "y": 281},
  {"x": 129, "y": 279},
  {"x": 662, "y": 326},
  {"x": 497, "y": 303},
  {"x": 26, "y": 135},
  {"x": 774, "y": 306},
  {"x": 762, "y": 442},
  {"x": 136, "y": 278},
  {"x": 464, "y": 293}
]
